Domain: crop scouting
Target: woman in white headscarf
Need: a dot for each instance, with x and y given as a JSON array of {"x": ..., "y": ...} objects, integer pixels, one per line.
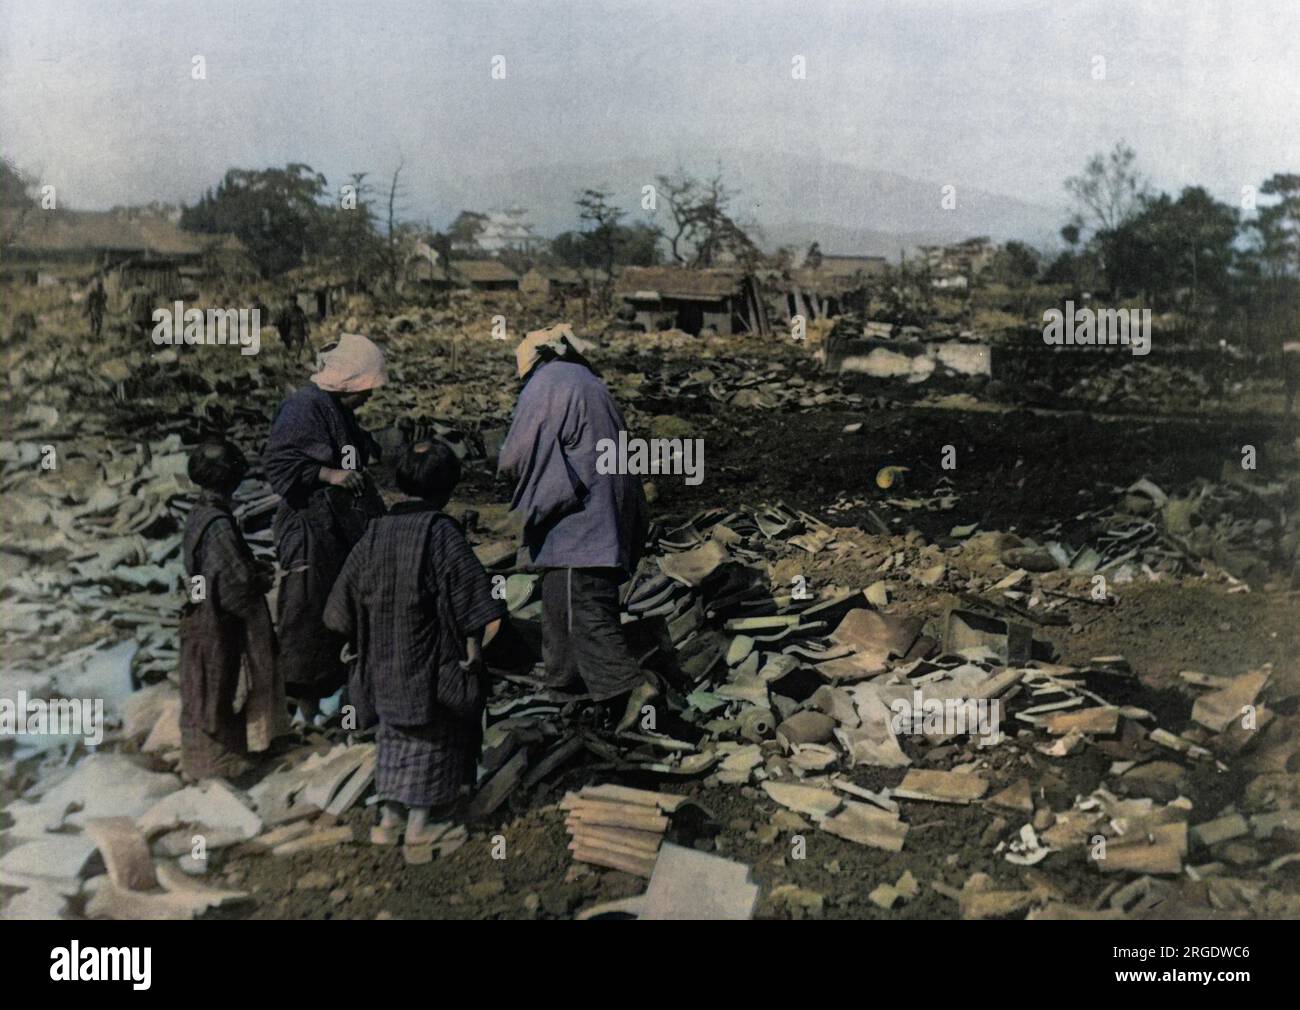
[
  {"x": 582, "y": 529},
  {"x": 315, "y": 460}
]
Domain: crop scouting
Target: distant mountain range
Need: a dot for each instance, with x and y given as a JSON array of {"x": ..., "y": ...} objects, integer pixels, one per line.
[{"x": 793, "y": 200}]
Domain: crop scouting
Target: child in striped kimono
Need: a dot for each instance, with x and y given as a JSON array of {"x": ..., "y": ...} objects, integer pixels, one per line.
[{"x": 415, "y": 603}]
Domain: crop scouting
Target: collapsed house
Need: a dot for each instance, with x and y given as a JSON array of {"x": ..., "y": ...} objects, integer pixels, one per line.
[
  {"x": 423, "y": 268},
  {"x": 484, "y": 275},
  {"x": 726, "y": 302},
  {"x": 129, "y": 249},
  {"x": 546, "y": 282},
  {"x": 322, "y": 292},
  {"x": 953, "y": 266},
  {"x": 428, "y": 273},
  {"x": 836, "y": 285},
  {"x": 882, "y": 350}
]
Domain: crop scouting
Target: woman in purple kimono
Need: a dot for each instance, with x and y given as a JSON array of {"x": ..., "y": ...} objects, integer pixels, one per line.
[
  {"x": 582, "y": 529},
  {"x": 315, "y": 460}
]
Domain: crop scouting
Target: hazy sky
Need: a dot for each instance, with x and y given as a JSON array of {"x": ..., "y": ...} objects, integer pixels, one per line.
[{"x": 97, "y": 97}]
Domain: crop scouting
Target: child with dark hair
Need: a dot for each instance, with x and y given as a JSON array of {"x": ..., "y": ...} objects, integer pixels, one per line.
[
  {"x": 231, "y": 701},
  {"x": 415, "y": 602},
  {"x": 429, "y": 471}
]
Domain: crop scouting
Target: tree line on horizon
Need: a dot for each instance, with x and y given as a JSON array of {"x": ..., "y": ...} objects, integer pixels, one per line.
[{"x": 1123, "y": 239}]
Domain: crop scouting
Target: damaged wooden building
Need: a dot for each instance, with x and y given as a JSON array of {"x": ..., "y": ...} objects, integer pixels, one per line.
[
  {"x": 555, "y": 281},
  {"x": 421, "y": 272},
  {"x": 725, "y": 302},
  {"x": 833, "y": 286},
  {"x": 129, "y": 248}
]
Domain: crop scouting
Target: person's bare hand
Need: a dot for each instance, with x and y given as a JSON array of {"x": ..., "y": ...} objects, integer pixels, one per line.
[{"x": 349, "y": 480}]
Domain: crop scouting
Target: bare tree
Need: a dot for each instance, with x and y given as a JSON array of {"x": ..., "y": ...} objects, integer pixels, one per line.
[
  {"x": 701, "y": 212},
  {"x": 393, "y": 257},
  {"x": 1109, "y": 191},
  {"x": 679, "y": 190}
]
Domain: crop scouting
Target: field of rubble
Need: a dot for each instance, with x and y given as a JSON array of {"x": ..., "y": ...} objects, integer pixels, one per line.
[{"x": 1089, "y": 557}]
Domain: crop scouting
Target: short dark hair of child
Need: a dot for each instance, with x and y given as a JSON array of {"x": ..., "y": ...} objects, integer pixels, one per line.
[
  {"x": 217, "y": 465},
  {"x": 429, "y": 470}
]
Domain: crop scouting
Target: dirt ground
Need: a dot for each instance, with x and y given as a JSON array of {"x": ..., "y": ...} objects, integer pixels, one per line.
[
  {"x": 1031, "y": 472},
  {"x": 536, "y": 878},
  {"x": 1018, "y": 471}
]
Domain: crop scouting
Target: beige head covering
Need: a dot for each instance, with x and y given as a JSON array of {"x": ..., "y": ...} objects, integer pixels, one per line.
[
  {"x": 353, "y": 365},
  {"x": 559, "y": 340}
]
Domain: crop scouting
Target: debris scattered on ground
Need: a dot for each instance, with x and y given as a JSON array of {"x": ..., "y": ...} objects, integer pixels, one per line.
[
  {"x": 685, "y": 884},
  {"x": 815, "y": 649},
  {"x": 618, "y": 827}
]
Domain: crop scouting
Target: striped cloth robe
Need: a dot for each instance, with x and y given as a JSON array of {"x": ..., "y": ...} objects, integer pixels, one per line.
[{"x": 409, "y": 595}]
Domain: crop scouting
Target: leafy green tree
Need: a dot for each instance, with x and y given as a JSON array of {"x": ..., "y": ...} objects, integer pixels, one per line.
[
  {"x": 1015, "y": 264},
  {"x": 1270, "y": 281},
  {"x": 15, "y": 185},
  {"x": 275, "y": 212},
  {"x": 603, "y": 217},
  {"x": 571, "y": 249},
  {"x": 634, "y": 245},
  {"x": 440, "y": 242},
  {"x": 1079, "y": 268},
  {"x": 1172, "y": 246},
  {"x": 1275, "y": 229},
  {"x": 16, "y": 200},
  {"x": 466, "y": 229},
  {"x": 346, "y": 230}
]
